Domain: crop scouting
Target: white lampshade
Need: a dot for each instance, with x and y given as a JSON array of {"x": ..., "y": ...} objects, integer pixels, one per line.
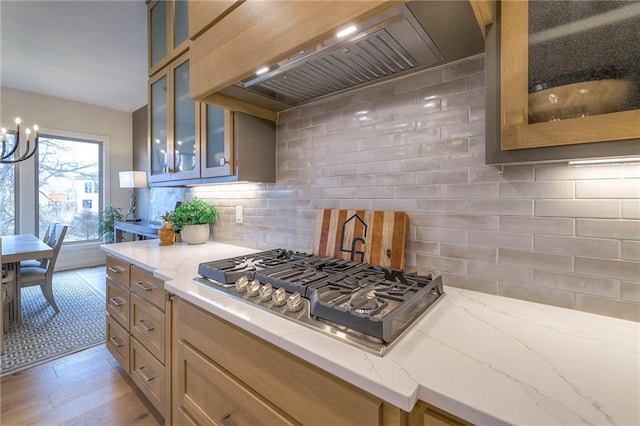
[{"x": 133, "y": 179}]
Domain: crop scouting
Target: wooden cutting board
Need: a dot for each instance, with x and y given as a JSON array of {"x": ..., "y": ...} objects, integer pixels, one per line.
[{"x": 372, "y": 236}]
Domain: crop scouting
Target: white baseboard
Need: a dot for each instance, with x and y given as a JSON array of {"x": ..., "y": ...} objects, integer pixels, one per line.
[{"x": 74, "y": 256}]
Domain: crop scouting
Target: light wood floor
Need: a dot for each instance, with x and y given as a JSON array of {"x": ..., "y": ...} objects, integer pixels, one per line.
[{"x": 85, "y": 388}]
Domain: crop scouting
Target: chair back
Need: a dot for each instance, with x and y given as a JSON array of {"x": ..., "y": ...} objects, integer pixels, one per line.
[{"x": 55, "y": 242}]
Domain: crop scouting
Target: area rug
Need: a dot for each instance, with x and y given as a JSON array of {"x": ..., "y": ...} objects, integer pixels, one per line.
[{"x": 45, "y": 335}]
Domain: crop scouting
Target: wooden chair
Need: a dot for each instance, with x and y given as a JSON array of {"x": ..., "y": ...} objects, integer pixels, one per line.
[
  {"x": 43, "y": 275},
  {"x": 6, "y": 295},
  {"x": 42, "y": 263}
]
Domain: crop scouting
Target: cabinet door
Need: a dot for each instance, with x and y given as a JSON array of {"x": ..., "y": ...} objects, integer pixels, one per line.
[
  {"x": 217, "y": 143},
  {"x": 173, "y": 137},
  {"x": 205, "y": 394},
  {"x": 168, "y": 31},
  {"x": 570, "y": 72}
]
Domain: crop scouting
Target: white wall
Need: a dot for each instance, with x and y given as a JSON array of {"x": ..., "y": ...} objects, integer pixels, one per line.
[{"x": 73, "y": 118}]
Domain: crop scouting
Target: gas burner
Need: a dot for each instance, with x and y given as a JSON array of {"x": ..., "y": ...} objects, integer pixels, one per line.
[{"x": 364, "y": 305}]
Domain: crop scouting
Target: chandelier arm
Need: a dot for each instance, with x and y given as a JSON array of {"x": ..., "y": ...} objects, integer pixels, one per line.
[
  {"x": 25, "y": 156},
  {"x": 15, "y": 147}
]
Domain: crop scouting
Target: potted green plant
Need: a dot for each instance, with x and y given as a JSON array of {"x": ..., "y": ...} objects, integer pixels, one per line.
[
  {"x": 194, "y": 218},
  {"x": 110, "y": 215}
]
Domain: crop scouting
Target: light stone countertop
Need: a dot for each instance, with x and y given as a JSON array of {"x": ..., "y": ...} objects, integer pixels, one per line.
[{"x": 484, "y": 358}]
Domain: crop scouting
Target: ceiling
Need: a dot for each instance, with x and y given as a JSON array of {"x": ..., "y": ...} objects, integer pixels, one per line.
[{"x": 92, "y": 51}]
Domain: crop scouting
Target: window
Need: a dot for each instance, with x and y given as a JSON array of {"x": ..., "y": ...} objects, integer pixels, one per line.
[
  {"x": 69, "y": 173},
  {"x": 8, "y": 195}
]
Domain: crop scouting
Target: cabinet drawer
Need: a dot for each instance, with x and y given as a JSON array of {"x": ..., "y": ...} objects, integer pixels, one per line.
[
  {"x": 118, "y": 270},
  {"x": 118, "y": 302},
  {"x": 118, "y": 342},
  {"x": 148, "y": 373},
  {"x": 147, "y": 286},
  {"x": 208, "y": 395},
  {"x": 287, "y": 382},
  {"x": 147, "y": 325}
]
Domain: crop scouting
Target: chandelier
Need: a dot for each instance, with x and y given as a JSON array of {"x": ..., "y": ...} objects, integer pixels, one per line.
[{"x": 11, "y": 154}]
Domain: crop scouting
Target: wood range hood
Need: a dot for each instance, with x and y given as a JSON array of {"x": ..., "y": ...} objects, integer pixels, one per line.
[{"x": 404, "y": 40}]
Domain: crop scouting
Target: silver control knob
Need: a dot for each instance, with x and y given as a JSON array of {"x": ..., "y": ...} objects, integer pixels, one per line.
[
  {"x": 265, "y": 292},
  {"x": 294, "y": 302},
  {"x": 253, "y": 287},
  {"x": 279, "y": 297},
  {"x": 241, "y": 284}
]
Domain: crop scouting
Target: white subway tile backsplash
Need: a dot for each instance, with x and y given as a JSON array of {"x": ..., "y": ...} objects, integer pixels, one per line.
[
  {"x": 500, "y": 239},
  {"x": 612, "y": 188},
  {"x": 535, "y": 190},
  {"x": 578, "y": 208},
  {"x": 563, "y": 299},
  {"x": 631, "y": 209},
  {"x": 619, "y": 269},
  {"x": 482, "y": 254},
  {"x": 470, "y": 190},
  {"x": 500, "y": 272},
  {"x": 539, "y": 261},
  {"x": 501, "y": 207},
  {"x": 631, "y": 250},
  {"x": 609, "y": 307},
  {"x": 577, "y": 283},
  {"x": 602, "y": 228},
  {"x": 594, "y": 247},
  {"x": 549, "y": 233}
]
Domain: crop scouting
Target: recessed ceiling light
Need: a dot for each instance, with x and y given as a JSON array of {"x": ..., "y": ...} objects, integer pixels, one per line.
[
  {"x": 262, "y": 70},
  {"x": 349, "y": 30}
]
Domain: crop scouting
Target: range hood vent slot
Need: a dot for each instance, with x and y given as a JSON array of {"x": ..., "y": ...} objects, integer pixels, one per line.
[{"x": 391, "y": 45}]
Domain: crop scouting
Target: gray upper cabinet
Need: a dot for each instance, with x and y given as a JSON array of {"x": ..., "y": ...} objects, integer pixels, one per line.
[{"x": 563, "y": 80}]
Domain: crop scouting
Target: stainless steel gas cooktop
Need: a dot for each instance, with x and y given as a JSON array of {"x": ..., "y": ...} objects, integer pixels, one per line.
[{"x": 360, "y": 304}]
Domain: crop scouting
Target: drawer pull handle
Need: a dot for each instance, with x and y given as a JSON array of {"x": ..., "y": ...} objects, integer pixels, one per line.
[
  {"x": 117, "y": 342},
  {"x": 144, "y": 375},
  {"x": 226, "y": 420},
  {"x": 115, "y": 269},
  {"x": 117, "y": 301},
  {"x": 144, "y": 326},
  {"x": 145, "y": 286}
]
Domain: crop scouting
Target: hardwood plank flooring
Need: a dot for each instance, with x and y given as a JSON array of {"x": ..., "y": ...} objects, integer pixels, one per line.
[{"x": 85, "y": 388}]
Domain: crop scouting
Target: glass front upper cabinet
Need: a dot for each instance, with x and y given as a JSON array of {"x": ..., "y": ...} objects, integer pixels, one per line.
[
  {"x": 217, "y": 156},
  {"x": 174, "y": 135},
  {"x": 570, "y": 72},
  {"x": 168, "y": 23}
]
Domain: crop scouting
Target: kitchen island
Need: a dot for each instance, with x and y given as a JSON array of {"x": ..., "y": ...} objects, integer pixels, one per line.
[{"x": 483, "y": 358}]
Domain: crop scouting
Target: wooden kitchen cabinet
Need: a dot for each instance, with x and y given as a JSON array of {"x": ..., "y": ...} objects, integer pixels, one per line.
[
  {"x": 257, "y": 34},
  {"x": 552, "y": 44},
  {"x": 174, "y": 134},
  {"x": 168, "y": 31},
  {"x": 256, "y": 379},
  {"x": 204, "y": 14},
  {"x": 222, "y": 374},
  {"x": 137, "y": 328}
]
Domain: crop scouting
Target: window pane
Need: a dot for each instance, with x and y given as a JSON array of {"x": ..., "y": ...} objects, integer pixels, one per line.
[
  {"x": 68, "y": 172},
  {"x": 8, "y": 195}
]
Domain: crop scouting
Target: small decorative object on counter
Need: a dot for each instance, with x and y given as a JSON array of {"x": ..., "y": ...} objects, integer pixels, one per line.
[
  {"x": 194, "y": 218},
  {"x": 167, "y": 234}
]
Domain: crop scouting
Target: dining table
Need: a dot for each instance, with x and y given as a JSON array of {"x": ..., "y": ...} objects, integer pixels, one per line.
[{"x": 15, "y": 249}]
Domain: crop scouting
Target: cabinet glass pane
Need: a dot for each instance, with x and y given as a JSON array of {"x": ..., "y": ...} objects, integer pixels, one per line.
[
  {"x": 583, "y": 58},
  {"x": 181, "y": 22},
  {"x": 159, "y": 126},
  {"x": 215, "y": 136},
  {"x": 184, "y": 121},
  {"x": 158, "y": 31}
]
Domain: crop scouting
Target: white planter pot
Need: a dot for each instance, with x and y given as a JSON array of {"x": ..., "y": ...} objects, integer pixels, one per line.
[{"x": 195, "y": 234}]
